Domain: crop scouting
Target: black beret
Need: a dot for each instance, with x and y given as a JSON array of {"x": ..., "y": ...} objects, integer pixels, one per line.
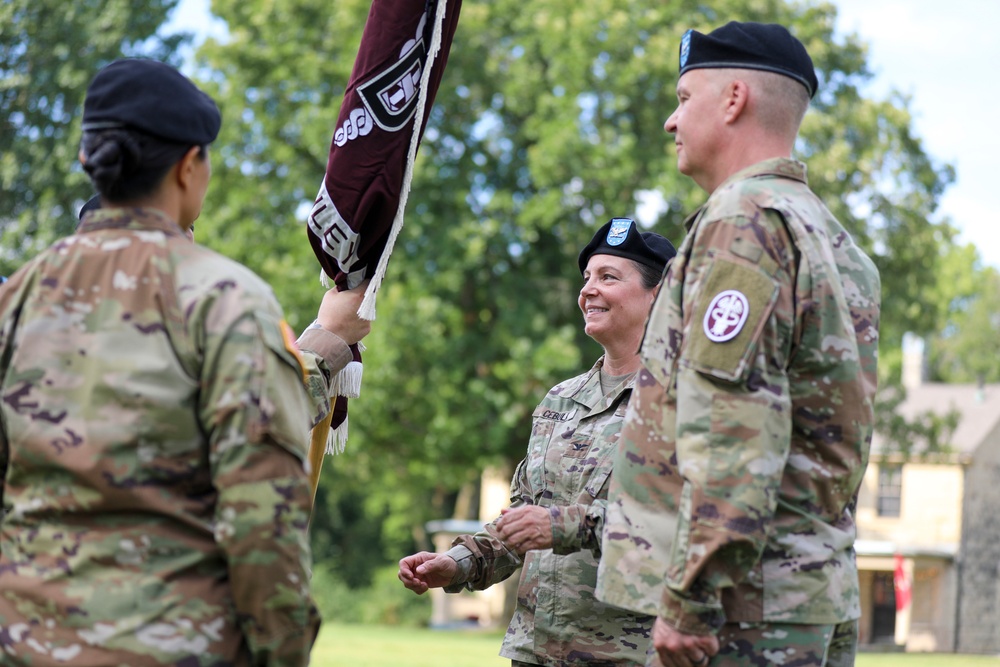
[
  {"x": 621, "y": 237},
  {"x": 762, "y": 46},
  {"x": 151, "y": 97}
]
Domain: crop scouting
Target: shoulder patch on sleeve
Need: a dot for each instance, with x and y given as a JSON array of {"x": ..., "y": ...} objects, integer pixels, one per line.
[
  {"x": 725, "y": 316},
  {"x": 731, "y": 312},
  {"x": 280, "y": 339},
  {"x": 293, "y": 347}
]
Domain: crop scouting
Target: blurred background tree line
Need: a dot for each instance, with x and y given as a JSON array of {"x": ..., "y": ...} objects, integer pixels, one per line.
[{"x": 549, "y": 121}]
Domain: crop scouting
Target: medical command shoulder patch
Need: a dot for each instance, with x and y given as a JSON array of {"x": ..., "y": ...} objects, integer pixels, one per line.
[
  {"x": 734, "y": 304},
  {"x": 725, "y": 316}
]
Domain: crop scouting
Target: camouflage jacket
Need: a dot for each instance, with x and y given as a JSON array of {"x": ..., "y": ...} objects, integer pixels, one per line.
[
  {"x": 152, "y": 445},
  {"x": 745, "y": 444},
  {"x": 557, "y": 622}
]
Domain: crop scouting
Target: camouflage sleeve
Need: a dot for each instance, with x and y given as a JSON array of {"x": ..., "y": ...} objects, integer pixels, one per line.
[
  {"x": 4, "y": 445},
  {"x": 8, "y": 317},
  {"x": 578, "y": 527},
  {"x": 4, "y": 458},
  {"x": 483, "y": 559},
  {"x": 465, "y": 561},
  {"x": 324, "y": 354},
  {"x": 732, "y": 468},
  {"x": 733, "y": 417},
  {"x": 255, "y": 410}
]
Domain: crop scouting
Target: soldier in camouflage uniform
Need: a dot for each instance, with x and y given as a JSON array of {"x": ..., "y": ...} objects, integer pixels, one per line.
[
  {"x": 552, "y": 529},
  {"x": 154, "y": 417},
  {"x": 731, "y": 512}
]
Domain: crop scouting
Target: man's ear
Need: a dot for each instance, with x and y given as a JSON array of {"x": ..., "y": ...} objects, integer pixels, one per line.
[
  {"x": 185, "y": 168},
  {"x": 736, "y": 95},
  {"x": 81, "y": 157}
]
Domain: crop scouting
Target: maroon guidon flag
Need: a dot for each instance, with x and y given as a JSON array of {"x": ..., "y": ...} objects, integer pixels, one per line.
[{"x": 359, "y": 209}]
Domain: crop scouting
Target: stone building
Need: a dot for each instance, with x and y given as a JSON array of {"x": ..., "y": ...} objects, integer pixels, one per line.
[{"x": 932, "y": 524}]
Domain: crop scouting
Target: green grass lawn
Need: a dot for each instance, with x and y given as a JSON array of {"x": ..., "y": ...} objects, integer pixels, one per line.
[
  {"x": 380, "y": 646},
  {"x": 924, "y": 660},
  {"x": 383, "y": 646}
]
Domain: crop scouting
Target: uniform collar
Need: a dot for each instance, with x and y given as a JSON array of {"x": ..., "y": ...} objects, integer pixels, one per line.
[
  {"x": 139, "y": 218},
  {"x": 587, "y": 390},
  {"x": 781, "y": 167}
]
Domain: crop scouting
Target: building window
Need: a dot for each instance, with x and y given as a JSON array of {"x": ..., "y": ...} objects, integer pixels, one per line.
[{"x": 890, "y": 490}]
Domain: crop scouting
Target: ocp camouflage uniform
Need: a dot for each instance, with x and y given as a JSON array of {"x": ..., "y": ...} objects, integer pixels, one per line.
[
  {"x": 154, "y": 433},
  {"x": 557, "y": 621},
  {"x": 745, "y": 444}
]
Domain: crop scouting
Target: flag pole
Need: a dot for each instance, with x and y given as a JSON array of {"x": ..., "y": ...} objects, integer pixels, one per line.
[{"x": 317, "y": 450}]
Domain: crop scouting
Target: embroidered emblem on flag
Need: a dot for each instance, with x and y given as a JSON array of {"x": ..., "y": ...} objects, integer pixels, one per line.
[
  {"x": 726, "y": 315},
  {"x": 391, "y": 97}
]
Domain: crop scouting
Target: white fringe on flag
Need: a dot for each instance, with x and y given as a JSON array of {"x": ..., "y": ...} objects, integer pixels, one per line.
[
  {"x": 346, "y": 383},
  {"x": 367, "y": 309},
  {"x": 336, "y": 440}
]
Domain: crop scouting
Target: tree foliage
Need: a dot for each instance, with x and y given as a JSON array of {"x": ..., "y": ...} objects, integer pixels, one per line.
[
  {"x": 967, "y": 347},
  {"x": 548, "y": 122},
  {"x": 49, "y": 51}
]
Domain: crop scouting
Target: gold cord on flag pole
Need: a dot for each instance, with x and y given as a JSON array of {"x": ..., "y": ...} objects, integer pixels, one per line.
[{"x": 317, "y": 450}]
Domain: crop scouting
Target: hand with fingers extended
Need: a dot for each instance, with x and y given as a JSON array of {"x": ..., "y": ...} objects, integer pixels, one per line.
[
  {"x": 676, "y": 649},
  {"x": 426, "y": 570},
  {"x": 525, "y": 528}
]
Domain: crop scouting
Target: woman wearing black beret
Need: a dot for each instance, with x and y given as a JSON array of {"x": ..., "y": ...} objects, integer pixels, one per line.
[
  {"x": 552, "y": 530},
  {"x": 155, "y": 421}
]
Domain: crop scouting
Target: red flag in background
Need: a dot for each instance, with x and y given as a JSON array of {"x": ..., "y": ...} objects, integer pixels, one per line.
[
  {"x": 901, "y": 583},
  {"x": 359, "y": 209}
]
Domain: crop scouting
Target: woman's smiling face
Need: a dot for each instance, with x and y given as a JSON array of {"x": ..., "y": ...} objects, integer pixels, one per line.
[{"x": 613, "y": 300}]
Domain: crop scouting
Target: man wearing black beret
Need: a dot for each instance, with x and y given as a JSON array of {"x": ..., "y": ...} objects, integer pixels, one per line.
[{"x": 746, "y": 441}]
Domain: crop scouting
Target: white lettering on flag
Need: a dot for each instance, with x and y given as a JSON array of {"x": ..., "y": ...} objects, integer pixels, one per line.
[{"x": 338, "y": 239}]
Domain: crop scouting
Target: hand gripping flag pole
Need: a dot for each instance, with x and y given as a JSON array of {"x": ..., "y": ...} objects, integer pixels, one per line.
[{"x": 358, "y": 212}]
